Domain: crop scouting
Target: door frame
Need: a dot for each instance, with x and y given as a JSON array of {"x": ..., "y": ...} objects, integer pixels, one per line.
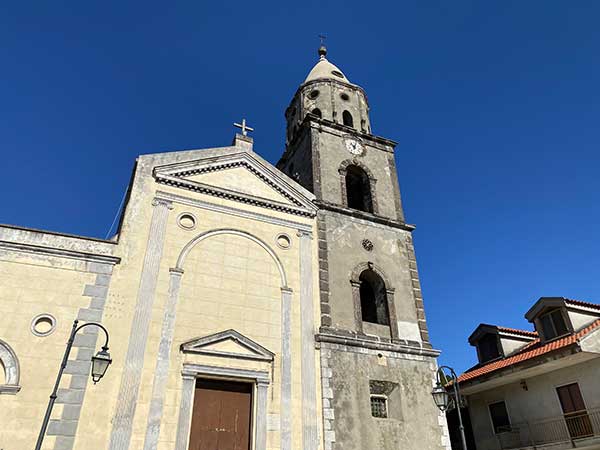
[{"x": 258, "y": 378}]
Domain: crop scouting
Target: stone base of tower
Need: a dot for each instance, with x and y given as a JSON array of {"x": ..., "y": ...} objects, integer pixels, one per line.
[{"x": 360, "y": 383}]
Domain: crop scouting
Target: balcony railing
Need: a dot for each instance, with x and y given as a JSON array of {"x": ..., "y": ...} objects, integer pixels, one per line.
[{"x": 571, "y": 428}]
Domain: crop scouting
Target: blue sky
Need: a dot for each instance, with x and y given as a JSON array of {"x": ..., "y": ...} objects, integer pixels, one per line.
[{"x": 495, "y": 104}]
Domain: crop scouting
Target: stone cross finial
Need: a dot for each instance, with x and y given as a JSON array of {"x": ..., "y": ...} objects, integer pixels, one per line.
[
  {"x": 245, "y": 128},
  {"x": 322, "y": 49}
]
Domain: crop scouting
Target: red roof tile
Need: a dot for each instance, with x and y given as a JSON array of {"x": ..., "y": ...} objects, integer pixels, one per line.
[
  {"x": 530, "y": 351},
  {"x": 515, "y": 331},
  {"x": 582, "y": 303}
]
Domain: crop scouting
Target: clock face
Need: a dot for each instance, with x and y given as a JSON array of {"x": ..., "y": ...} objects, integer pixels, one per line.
[{"x": 354, "y": 147}]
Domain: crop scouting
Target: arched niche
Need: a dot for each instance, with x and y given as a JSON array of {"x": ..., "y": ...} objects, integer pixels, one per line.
[
  {"x": 202, "y": 236},
  {"x": 9, "y": 365},
  {"x": 367, "y": 279}
]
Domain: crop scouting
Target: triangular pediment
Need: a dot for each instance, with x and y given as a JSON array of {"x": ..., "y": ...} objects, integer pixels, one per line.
[
  {"x": 242, "y": 177},
  {"x": 228, "y": 344}
]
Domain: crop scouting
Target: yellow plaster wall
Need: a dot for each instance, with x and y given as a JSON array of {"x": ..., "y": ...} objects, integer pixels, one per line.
[
  {"x": 32, "y": 285},
  {"x": 229, "y": 282}
]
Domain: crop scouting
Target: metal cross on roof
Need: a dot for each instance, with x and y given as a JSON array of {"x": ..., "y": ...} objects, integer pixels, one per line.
[
  {"x": 245, "y": 128},
  {"x": 322, "y": 37}
]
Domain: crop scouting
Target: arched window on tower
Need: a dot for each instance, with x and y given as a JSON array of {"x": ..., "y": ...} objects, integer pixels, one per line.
[
  {"x": 317, "y": 112},
  {"x": 358, "y": 189},
  {"x": 373, "y": 298},
  {"x": 347, "y": 119}
]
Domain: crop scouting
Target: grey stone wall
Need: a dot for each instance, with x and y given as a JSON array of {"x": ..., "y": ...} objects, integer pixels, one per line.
[
  {"x": 332, "y": 98},
  {"x": 345, "y": 252},
  {"x": 397, "y": 358},
  {"x": 412, "y": 421},
  {"x": 333, "y": 153}
]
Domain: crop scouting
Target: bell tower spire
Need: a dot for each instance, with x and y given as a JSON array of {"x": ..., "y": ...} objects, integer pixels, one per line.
[{"x": 372, "y": 315}]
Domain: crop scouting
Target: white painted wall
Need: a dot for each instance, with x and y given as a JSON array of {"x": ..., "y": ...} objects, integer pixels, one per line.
[{"x": 540, "y": 401}]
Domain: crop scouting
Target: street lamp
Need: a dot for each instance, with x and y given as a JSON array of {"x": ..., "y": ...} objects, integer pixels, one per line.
[
  {"x": 100, "y": 364},
  {"x": 442, "y": 398}
]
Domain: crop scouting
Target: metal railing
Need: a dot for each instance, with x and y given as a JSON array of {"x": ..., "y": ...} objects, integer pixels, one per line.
[{"x": 569, "y": 428}]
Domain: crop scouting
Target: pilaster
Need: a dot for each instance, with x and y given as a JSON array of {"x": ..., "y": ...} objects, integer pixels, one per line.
[
  {"x": 134, "y": 361},
  {"x": 310, "y": 436}
]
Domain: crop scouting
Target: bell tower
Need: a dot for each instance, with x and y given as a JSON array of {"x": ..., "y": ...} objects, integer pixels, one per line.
[{"x": 377, "y": 364}]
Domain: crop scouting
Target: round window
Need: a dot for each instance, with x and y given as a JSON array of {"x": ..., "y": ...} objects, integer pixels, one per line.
[
  {"x": 187, "y": 221},
  {"x": 43, "y": 325},
  {"x": 283, "y": 241},
  {"x": 344, "y": 96},
  {"x": 313, "y": 94},
  {"x": 337, "y": 74}
]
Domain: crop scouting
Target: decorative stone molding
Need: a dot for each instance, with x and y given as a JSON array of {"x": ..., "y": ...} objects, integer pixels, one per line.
[
  {"x": 122, "y": 423},
  {"x": 373, "y": 219},
  {"x": 355, "y": 162},
  {"x": 187, "y": 221},
  {"x": 165, "y": 345},
  {"x": 12, "y": 372},
  {"x": 216, "y": 167},
  {"x": 231, "y": 211},
  {"x": 391, "y": 304},
  {"x": 39, "y": 318},
  {"x": 310, "y": 429},
  {"x": 178, "y": 174},
  {"x": 416, "y": 289},
  {"x": 73, "y": 396},
  {"x": 283, "y": 241},
  {"x": 202, "y": 346},
  {"x": 372, "y": 182},
  {"x": 192, "y": 371},
  {"x": 330, "y": 338},
  {"x": 188, "y": 247},
  {"x": 60, "y": 252},
  {"x": 323, "y": 272},
  {"x": 397, "y": 199},
  {"x": 327, "y": 400},
  {"x": 360, "y": 268}
]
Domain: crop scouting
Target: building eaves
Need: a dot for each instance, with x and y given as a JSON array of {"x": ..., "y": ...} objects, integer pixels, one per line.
[{"x": 530, "y": 351}]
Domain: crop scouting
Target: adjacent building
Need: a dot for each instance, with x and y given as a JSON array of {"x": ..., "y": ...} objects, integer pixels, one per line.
[
  {"x": 540, "y": 388},
  {"x": 249, "y": 306}
]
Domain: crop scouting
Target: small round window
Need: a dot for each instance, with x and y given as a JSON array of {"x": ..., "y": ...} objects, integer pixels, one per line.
[
  {"x": 43, "y": 325},
  {"x": 337, "y": 74},
  {"x": 283, "y": 241},
  {"x": 187, "y": 221},
  {"x": 344, "y": 96},
  {"x": 313, "y": 94}
]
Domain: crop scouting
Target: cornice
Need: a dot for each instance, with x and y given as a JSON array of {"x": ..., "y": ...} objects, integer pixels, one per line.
[
  {"x": 219, "y": 165},
  {"x": 350, "y": 86},
  {"x": 176, "y": 175},
  {"x": 232, "y": 211},
  {"x": 233, "y": 195},
  {"x": 323, "y": 205},
  {"x": 319, "y": 123},
  {"x": 394, "y": 347},
  {"x": 61, "y": 252}
]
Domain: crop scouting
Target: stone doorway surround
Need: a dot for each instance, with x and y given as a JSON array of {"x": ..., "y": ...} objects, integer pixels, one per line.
[{"x": 191, "y": 372}]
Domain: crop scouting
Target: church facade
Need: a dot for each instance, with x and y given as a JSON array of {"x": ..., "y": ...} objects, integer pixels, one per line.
[{"x": 248, "y": 306}]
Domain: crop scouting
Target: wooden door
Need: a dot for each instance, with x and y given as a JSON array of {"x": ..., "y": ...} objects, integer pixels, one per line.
[
  {"x": 576, "y": 417},
  {"x": 221, "y": 416}
]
